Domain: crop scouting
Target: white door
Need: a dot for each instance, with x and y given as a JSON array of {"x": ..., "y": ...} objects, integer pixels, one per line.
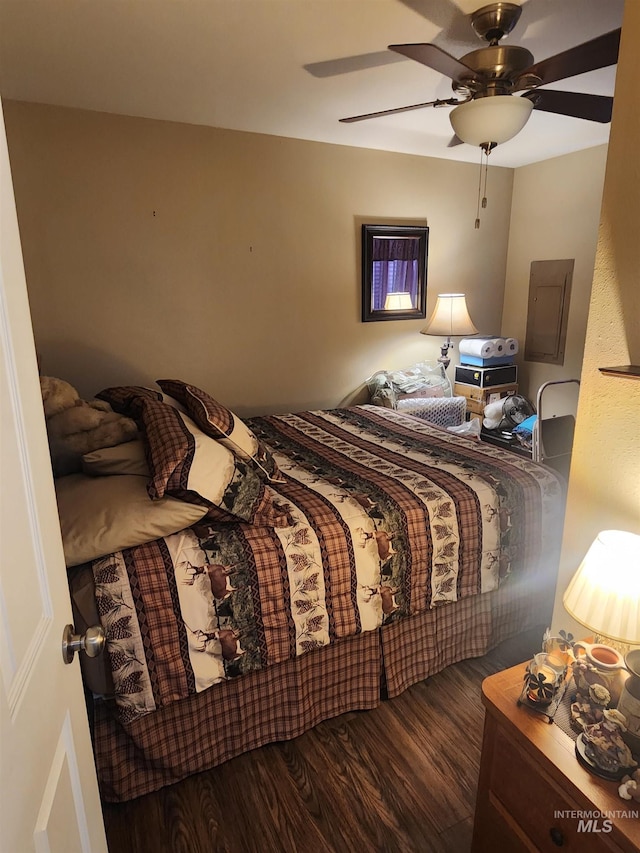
[{"x": 48, "y": 791}]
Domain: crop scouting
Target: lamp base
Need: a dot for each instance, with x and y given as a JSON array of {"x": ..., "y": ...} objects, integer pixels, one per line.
[
  {"x": 622, "y": 648},
  {"x": 444, "y": 359}
]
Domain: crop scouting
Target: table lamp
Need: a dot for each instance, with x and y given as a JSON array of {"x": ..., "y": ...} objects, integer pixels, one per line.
[
  {"x": 450, "y": 317},
  {"x": 604, "y": 594}
]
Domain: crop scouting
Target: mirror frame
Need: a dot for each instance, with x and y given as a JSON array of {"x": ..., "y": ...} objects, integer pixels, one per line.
[{"x": 369, "y": 233}]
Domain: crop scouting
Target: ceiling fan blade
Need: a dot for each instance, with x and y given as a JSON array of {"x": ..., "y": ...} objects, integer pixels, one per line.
[
  {"x": 438, "y": 103},
  {"x": 347, "y": 64},
  {"x": 444, "y": 14},
  {"x": 597, "y": 53},
  {"x": 576, "y": 104},
  {"x": 436, "y": 58},
  {"x": 447, "y": 16}
]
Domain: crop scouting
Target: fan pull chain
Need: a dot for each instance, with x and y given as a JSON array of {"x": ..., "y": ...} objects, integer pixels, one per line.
[
  {"x": 486, "y": 172},
  {"x": 479, "y": 192},
  {"x": 485, "y": 150}
]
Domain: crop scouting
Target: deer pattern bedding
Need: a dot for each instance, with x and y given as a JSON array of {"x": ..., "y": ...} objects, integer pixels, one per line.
[{"x": 382, "y": 516}]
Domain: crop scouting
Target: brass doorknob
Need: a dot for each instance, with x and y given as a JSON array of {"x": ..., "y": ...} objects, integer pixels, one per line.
[{"x": 91, "y": 643}]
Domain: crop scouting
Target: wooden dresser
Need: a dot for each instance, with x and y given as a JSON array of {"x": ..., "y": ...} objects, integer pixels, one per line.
[{"x": 533, "y": 795}]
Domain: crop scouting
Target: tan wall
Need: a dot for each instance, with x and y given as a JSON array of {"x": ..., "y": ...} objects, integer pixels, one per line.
[
  {"x": 554, "y": 214},
  {"x": 232, "y": 259},
  {"x": 604, "y": 487}
]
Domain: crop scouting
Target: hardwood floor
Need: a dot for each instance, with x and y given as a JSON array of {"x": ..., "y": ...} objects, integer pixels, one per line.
[{"x": 401, "y": 777}]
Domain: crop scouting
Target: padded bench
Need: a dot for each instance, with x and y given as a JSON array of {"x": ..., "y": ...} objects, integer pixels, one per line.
[
  {"x": 444, "y": 411},
  {"x": 423, "y": 391}
]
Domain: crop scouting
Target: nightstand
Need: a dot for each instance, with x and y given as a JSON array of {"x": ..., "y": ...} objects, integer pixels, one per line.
[{"x": 533, "y": 795}]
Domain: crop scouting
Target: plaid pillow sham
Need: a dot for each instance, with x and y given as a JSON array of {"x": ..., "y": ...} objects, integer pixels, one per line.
[
  {"x": 220, "y": 423},
  {"x": 186, "y": 463},
  {"x": 124, "y": 399}
]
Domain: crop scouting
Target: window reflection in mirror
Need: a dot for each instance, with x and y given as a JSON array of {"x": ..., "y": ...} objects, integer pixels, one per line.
[{"x": 394, "y": 272}]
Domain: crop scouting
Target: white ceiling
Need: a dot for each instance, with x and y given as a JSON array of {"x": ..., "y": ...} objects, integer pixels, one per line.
[{"x": 240, "y": 64}]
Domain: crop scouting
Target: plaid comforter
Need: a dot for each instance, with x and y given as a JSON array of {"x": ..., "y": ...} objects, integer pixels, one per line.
[{"x": 385, "y": 516}]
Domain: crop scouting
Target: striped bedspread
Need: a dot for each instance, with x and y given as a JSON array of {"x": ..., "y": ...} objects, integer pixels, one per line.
[{"x": 385, "y": 515}]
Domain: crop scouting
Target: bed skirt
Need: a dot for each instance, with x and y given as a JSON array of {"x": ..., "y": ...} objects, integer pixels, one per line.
[
  {"x": 287, "y": 699},
  {"x": 414, "y": 649}
]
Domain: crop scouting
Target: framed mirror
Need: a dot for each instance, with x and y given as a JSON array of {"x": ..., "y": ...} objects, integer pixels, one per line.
[{"x": 394, "y": 272}]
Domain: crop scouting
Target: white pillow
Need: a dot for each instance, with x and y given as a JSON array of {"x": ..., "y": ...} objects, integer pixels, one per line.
[{"x": 101, "y": 515}]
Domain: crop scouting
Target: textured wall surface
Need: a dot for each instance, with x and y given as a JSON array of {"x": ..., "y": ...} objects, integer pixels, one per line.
[{"x": 604, "y": 486}]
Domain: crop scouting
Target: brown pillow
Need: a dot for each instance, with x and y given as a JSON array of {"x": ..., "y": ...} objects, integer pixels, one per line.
[
  {"x": 126, "y": 458},
  {"x": 220, "y": 423},
  {"x": 102, "y": 515}
]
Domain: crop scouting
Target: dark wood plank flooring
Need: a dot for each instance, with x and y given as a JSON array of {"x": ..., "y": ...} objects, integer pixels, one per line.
[{"x": 401, "y": 777}]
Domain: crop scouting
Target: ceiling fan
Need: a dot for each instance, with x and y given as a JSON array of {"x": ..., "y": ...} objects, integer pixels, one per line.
[{"x": 487, "y": 82}]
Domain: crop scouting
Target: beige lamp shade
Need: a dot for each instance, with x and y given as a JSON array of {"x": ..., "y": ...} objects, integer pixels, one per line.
[
  {"x": 450, "y": 317},
  {"x": 604, "y": 594},
  {"x": 494, "y": 119},
  {"x": 400, "y": 301}
]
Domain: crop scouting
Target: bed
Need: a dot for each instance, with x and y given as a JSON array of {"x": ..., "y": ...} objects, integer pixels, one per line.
[{"x": 370, "y": 550}]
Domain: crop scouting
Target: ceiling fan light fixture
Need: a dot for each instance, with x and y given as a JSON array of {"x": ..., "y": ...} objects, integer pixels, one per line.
[{"x": 489, "y": 120}]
